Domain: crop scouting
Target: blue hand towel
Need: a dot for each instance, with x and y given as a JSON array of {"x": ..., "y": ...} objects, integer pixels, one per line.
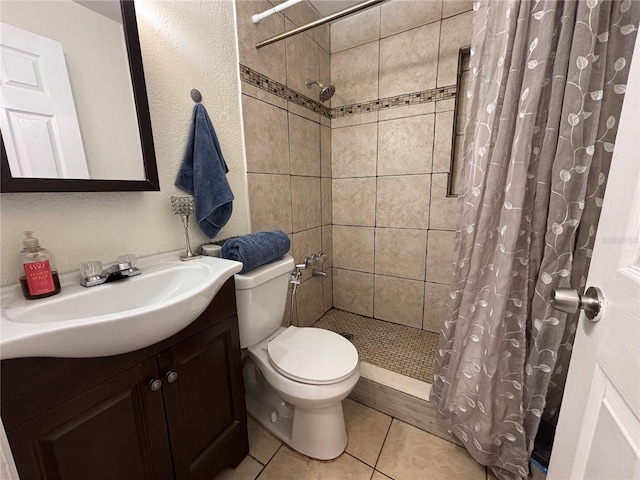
[
  {"x": 203, "y": 175},
  {"x": 256, "y": 249}
]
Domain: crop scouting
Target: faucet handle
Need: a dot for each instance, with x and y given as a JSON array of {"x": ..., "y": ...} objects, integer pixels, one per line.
[
  {"x": 91, "y": 270},
  {"x": 320, "y": 256},
  {"x": 127, "y": 265},
  {"x": 91, "y": 273},
  {"x": 129, "y": 258}
]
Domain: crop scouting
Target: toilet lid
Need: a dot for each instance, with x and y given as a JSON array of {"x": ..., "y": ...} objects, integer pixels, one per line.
[{"x": 312, "y": 355}]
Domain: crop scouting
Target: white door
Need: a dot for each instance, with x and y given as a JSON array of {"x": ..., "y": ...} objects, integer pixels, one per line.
[
  {"x": 598, "y": 433},
  {"x": 38, "y": 119}
]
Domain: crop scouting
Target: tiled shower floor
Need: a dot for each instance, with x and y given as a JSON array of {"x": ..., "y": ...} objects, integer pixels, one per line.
[{"x": 404, "y": 350}]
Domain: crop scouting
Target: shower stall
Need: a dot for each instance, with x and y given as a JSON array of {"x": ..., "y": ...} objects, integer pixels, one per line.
[
  {"x": 361, "y": 167},
  {"x": 397, "y": 68}
]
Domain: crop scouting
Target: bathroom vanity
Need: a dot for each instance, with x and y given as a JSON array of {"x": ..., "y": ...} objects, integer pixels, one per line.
[{"x": 172, "y": 410}]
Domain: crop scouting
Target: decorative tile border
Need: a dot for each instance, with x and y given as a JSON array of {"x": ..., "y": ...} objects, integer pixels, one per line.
[
  {"x": 268, "y": 85},
  {"x": 415, "y": 98},
  {"x": 265, "y": 83}
]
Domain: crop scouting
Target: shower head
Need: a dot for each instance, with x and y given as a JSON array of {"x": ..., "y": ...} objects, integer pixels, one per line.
[{"x": 326, "y": 91}]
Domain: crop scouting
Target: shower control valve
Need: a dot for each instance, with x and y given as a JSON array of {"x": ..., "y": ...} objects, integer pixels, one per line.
[{"x": 319, "y": 257}]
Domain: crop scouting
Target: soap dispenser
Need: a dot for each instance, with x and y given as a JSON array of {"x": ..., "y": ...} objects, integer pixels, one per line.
[{"x": 38, "y": 273}]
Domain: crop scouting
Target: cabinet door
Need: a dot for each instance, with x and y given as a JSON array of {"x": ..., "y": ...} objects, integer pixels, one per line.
[
  {"x": 205, "y": 404},
  {"x": 115, "y": 431}
]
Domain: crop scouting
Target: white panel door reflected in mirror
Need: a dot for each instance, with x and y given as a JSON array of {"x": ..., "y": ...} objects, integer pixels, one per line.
[
  {"x": 38, "y": 118},
  {"x": 95, "y": 52}
]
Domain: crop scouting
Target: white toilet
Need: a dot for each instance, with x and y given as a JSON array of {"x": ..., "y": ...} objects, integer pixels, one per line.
[{"x": 295, "y": 378}]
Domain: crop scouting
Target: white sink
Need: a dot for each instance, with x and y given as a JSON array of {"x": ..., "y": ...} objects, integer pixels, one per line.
[{"x": 112, "y": 318}]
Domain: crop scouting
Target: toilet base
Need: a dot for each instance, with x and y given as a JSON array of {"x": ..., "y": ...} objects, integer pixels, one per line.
[{"x": 316, "y": 432}]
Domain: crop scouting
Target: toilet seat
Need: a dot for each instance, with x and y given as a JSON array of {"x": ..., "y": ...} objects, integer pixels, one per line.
[{"x": 312, "y": 355}]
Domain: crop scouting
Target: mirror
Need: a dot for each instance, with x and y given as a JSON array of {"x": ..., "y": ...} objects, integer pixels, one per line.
[{"x": 75, "y": 114}]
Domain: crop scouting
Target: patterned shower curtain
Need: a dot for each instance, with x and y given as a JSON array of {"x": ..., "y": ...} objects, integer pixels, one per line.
[{"x": 547, "y": 82}]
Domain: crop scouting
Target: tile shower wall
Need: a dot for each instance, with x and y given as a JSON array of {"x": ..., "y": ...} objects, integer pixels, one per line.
[
  {"x": 288, "y": 147},
  {"x": 393, "y": 225}
]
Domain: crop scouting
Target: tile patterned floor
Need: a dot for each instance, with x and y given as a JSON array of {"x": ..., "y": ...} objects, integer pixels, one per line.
[
  {"x": 404, "y": 350},
  {"x": 380, "y": 448}
]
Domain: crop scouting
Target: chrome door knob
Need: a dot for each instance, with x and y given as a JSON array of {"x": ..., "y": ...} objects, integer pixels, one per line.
[
  {"x": 155, "y": 384},
  {"x": 171, "y": 376},
  {"x": 568, "y": 300}
]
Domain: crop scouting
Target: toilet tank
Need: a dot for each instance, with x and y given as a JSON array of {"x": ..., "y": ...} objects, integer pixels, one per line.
[{"x": 261, "y": 295}]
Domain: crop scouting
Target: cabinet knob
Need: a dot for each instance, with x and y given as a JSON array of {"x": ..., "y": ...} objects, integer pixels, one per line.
[
  {"x": 171, "y": 376},
  {"x": 155, "y": 384}
]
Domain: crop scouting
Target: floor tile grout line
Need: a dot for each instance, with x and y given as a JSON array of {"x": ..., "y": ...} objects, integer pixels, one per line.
[
  {"x": 372, "y": 408},
  {"x": 272, "y": 457},
  {"x": 262, "y": 467},
  {"x": 355, "y": 458},
  {"x": 383, "y": 442}
]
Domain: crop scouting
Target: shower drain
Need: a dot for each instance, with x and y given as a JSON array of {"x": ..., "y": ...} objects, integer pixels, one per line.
[{"x": 348, "y": 336}]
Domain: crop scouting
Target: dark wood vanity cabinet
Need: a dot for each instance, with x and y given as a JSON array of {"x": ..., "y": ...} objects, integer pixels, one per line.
[
  {"x": 115, "y": 430},
  {"x": 205, "y": 405},
  {"x": 106, "y": 419}
]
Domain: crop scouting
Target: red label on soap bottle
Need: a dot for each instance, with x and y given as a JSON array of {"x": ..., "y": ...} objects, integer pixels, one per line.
[{"x": 39, "y": 278}]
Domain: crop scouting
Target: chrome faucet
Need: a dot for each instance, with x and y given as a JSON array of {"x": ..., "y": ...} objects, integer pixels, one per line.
[
  {"x": 309, "y": 261},
  {"x": 312, "y": 260},
  {"x": 92, "y": 274}
]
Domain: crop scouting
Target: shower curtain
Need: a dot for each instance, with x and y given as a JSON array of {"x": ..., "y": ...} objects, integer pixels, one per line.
[{"x": 546, "y": 90}]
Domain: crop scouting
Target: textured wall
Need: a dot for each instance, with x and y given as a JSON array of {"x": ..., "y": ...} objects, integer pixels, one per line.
[{"x": 185, "y": 45}]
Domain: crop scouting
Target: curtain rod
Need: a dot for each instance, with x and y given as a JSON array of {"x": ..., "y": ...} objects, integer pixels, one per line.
[
  {"x": 321, "y": 21},
  {"x": 259, "y": 16}
]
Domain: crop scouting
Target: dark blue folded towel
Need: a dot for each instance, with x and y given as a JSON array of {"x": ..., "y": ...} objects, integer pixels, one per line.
[
  {"x": 203, "y": 175},
  {"x": 256, "y": 249}
]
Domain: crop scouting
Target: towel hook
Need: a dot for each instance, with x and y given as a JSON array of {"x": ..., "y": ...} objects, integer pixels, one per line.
[{"x": 196, "y": 96}]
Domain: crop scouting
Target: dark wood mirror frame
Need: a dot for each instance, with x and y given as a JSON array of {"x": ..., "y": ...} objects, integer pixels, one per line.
[{"x": 8, "y": 184}]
